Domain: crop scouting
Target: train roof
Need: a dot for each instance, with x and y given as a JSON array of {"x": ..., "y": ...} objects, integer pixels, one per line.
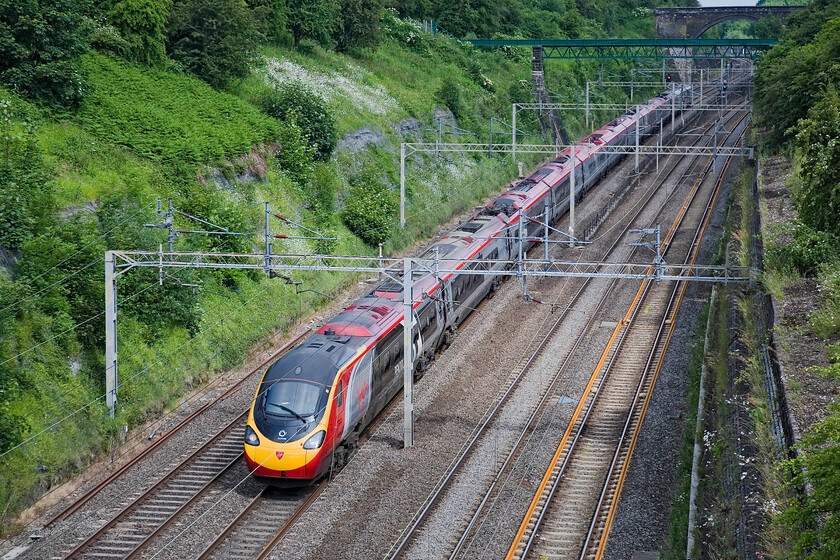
[
  {"x": 371, "y": 317},
  {"x": 316, "y": 360}
]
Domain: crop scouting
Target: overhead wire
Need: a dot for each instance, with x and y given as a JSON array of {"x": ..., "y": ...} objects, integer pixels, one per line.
[
  {"x": 124, "y": 381},
  {"x": 19, "y": 286}
]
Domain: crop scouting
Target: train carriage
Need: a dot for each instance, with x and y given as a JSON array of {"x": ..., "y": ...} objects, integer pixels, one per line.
[{"x": 313, "y": 402}]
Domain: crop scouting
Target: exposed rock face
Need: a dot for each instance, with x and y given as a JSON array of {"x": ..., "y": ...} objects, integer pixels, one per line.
[
  {"x": 408, "y": 127},
  {"x": 357, "y": 140}
]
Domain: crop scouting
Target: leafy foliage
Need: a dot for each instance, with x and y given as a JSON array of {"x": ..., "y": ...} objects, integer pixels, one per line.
[
  {"x": 451, "y": 96},
  {"x": 296, "y": 154},
  {"x": 25, "y": 185},
  {"x": 818, "y": 540},
  {"x": 164, "y": 116},
  {"x": 40, "y": 41},
  {"x": 311, "y": 115},
  {"x": 213, "y": 39},
  {"x": 313, "y": 19},
  {"x": 805, "y": 253},
  {"x": 271, "y": 17},
  {"x": 818, "y": 198},
  {"x": 791, "y": 78},
  {"x": 358, "y": 24},
  {"x": 142, "y": 24},
  {"x": 370, "y": 208}
]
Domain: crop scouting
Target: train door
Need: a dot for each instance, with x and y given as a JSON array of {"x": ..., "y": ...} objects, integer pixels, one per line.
[
  {"x": 358, "y": 392},
  {"x": 416, "y": 340},
  {"x": 449, "y": 304},
  {"x": 340, "y": 422}
]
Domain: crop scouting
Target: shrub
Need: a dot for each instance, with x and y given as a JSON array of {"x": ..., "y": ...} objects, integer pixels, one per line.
[
  {"x": 142, "y": 24},
  {"x": 26, "y": 187},
  {"x": 313, "y": 19},
  {"x": 451, "y": 96},
  {"x": 817, "y": 199},
  {"x": 296, "y": 155},
  {"x": 358, "y": 24},
  {"x": 807, "y": 251},
  {"x": 370, "y": 208},
  {"x": 213, "y": 39},
  {"x": 322, "y": 192},
  {"x": 312, "y": 115}
]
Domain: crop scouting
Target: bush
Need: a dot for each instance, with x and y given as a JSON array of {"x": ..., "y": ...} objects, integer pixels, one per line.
[
  {"x": 311, "y": 115},
  {"x": 214, "y": 39},
  {"x": 322, "y": 192},
  {"x": 451, "y": 96},
  {"x": 313, "y": 19},
  {"x": 142, "y": 24},
  {"x": 26, "y": 187},
  {"x": 806, "y": 253},
  {"x": 370, "y": 208},
  {"x": 358, "y": 24},
  {"x": 296, "y": 155},
  {"x": 40, "y": 42}
]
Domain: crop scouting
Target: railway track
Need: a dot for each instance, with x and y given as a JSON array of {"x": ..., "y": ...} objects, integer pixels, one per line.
[
  {"x": 591, "y": 462},
  {"x": 139, "y": 522},
  {"x": 127, "y": 532},
  {"x": 254, "y": 532},
  {"x": 533, "y": 355},
  {"x": 92, "y": 492},
  {"x": 146, "y": 516}
]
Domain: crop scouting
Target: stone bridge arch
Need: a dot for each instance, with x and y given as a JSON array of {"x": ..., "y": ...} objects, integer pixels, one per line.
[{"x": 691, "y": 23}]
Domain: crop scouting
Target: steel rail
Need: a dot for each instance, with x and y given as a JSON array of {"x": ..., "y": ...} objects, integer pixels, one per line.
[
  {"x": 153, "y": 491},
  {"x": 469, "y": 446},
  {"x": 514, "y": 450},
  {"x": 612, "y": 349},
  {"x": 679, "y": 292},
  {"x": 86, "y": 497}
]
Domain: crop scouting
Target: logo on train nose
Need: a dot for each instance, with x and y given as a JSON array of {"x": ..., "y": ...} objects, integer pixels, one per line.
[
  {"x": 279, "y": 454},
  {"x": 282, "y": 433}
]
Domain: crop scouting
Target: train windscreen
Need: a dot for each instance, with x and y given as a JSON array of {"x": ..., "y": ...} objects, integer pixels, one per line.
[{"x": 293, "y": 398}]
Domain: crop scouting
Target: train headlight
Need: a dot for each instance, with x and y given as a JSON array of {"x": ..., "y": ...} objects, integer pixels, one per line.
[
  {"x": 251, "y": 437},
  {"x": 316, "y": 440}
]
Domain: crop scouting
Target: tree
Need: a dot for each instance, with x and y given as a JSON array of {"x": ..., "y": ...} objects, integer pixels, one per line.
[
  {"x": 311, "y": 115},
  {"x": 768, "y": 27},
  {"x": 313, "y": 19},
  {"x": 272, "y": 16},
  {"x": 818, "y": 198},
  {"x": 40, "y": 42},
  {"x": 359, "y": 23},
  {"x": 142, "y": 23},
  {"x": 213, "y": 39}
]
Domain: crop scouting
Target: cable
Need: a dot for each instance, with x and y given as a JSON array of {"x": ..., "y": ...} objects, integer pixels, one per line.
[
  {"x": 38, "y": 293},
  {"x": 77, "y": 325},
  {"x": 19, "y": 286},
  {"x": 125, "y": 381}
]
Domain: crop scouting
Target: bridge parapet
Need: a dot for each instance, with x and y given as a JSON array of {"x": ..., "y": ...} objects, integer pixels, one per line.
[{"x": 691, "y": 23}]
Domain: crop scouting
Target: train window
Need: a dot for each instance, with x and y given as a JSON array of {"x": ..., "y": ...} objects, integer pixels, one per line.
[
  {"x": 339, "y": 394},
  {"x": 293, "y": 398}
]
